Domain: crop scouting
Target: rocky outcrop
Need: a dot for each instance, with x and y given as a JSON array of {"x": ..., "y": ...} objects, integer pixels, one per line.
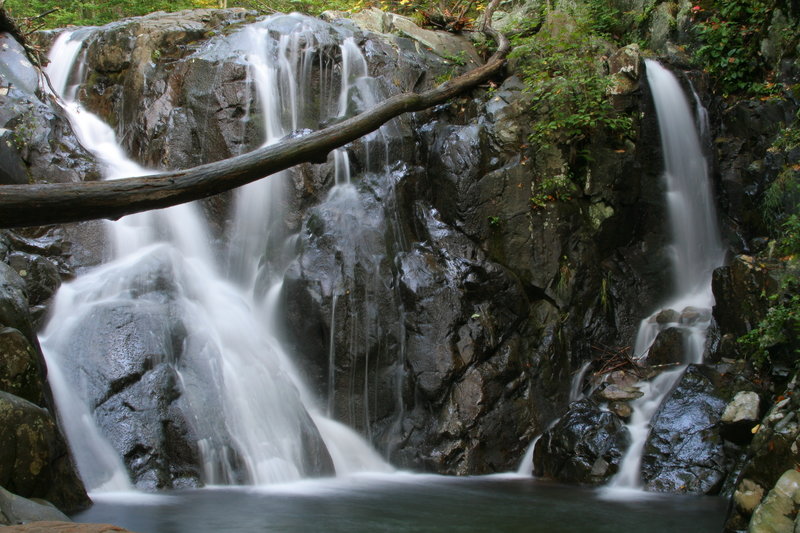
[
  {"x": 35, "y": 460},
  {"x": 684, "y": 451},
  {"x": 585, "y": 446}
]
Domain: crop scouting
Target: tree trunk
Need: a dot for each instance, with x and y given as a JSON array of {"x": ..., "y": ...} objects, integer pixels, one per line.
[{"x": 40, "y": 204}]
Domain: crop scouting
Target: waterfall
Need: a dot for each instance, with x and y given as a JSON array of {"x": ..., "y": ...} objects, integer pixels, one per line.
[
  {"x": 696, "y": 251},
  {"x": 192, "y": 310}
]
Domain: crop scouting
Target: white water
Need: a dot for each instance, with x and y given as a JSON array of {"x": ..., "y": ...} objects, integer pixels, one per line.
[
  {"x": 696, "y": 251},
  {"x": 239, "y": 386}
]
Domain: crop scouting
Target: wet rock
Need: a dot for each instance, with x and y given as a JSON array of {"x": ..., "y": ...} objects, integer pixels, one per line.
[
  {"x": 613, "y": 393},
  {"x": 585, "y": 446},
  {"x": 691, "y": 315},
  {"x": 42, "y": 146},
  {"x": 668, "y": 348},
  {"x": 684, "y": 451},
  {"x": 14, "y": 303},
  {"x": 740, "y": 290},
  {"x": 41, "y": 275},
  {"x": 18, "y": 510},
  {"x": 34, "y": 459},
  {"x": 667, "y": 316}
]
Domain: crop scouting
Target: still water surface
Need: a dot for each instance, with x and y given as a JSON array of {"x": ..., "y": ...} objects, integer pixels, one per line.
[{"x": 409, "y": 503}]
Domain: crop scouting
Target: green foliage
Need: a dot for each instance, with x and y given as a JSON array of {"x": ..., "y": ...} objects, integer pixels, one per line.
[
  {"x": 561, "y": 70},
  {"x": 775, "y": 337},
  {"x": 731, "y": 33},
  {"x": 553, "y": 189},
  {"x": 98, "y": 12}
]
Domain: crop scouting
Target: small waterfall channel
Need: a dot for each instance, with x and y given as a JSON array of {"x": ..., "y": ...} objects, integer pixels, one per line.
[
  {"x": 189, "y": 316},
  {"x": 696, "y": 251}
]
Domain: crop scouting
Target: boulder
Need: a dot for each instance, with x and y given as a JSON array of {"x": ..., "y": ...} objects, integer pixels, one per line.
[
  {"x": 584, "y": 446},
  {"x": 668, "y": 348},
  {"x": 34, "y": 459},
  {"x": 777, "y": 512},
  {"x": 18, "y": 510},
  {"x": 684, "y": 451},
  {"x": 741, "y": 415}
]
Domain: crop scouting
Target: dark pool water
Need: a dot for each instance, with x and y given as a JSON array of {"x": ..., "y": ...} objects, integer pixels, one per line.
[{"x": 409, "y": 503}]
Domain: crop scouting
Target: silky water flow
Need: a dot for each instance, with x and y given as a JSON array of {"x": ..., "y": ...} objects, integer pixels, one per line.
[
  {"x": 240, "y": 391},
  {"x": 695, "y": 252}
]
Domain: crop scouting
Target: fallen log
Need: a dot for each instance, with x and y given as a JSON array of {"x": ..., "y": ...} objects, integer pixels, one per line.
[{"x": 51, "y": 203}]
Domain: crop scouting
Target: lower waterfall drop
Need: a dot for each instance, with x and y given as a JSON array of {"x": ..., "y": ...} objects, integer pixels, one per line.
[
  {"x": 696, "y": 251},
  {"x": 205, "y": 342}
]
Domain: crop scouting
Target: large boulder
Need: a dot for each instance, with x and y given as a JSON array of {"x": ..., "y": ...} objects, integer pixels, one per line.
[
  {"x": 684, "y": 451},
  {"x": 18, "y": 510},
  {"x": 34, "y": 459},
  {"x": 584, "y": 446}
]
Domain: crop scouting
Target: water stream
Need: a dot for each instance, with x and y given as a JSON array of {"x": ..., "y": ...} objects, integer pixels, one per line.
[
  {"x": 248, "y": 407},
  {"x": 695, "y": 252}
]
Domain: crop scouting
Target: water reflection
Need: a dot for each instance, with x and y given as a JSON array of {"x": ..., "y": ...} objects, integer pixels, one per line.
[{"x": 408, "y": 503}]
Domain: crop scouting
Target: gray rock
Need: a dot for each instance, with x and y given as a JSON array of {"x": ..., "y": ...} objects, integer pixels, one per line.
[
  {"x": 668, "y": 348},
  {"x": 585, "y": 446},
  {"x": 19, "y": 510},
  {"x": 684, "y": 451}
]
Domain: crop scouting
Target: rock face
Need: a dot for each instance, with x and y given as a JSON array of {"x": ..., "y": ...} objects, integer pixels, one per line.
[
  {"x": 431, "y": 304},
  {"x": 684, "y": 451},
  {"x": 585, "y": 446},
  {"x": 34, "y": 460}
]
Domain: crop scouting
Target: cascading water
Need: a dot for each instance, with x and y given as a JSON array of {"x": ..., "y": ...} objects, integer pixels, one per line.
[
  {"x": 248, "y": 410},
  {"x": 696, "y": 251}
]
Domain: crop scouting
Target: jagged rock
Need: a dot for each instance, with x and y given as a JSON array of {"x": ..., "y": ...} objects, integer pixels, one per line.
[
  {"x": 740, "y": 416},
  {"x": 41, "y": 275},
  {"x": 41, "y": 146},
  {"x": 18, "y": 510},
  {"x": 34, "y": 459},
  {"x": 740, "y": 290},
  {"x": 625, "y": 66},
  {"x": 14, "y": 303},
  {"x": 778, "y": 510},
  {"x": 684, "y": 451},
  {"x": 585, "y": 446},
  {"x": 668, "y": 348}
]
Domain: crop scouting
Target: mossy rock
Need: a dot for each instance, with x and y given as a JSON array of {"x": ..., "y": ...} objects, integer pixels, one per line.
[{"x": 34, "y": 459}]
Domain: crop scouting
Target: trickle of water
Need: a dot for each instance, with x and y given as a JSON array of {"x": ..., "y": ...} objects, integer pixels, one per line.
[{"x": 697, "y": 251}]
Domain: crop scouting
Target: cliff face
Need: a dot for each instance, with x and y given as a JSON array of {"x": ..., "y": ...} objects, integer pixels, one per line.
[{"x": 443, "y": 304}]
